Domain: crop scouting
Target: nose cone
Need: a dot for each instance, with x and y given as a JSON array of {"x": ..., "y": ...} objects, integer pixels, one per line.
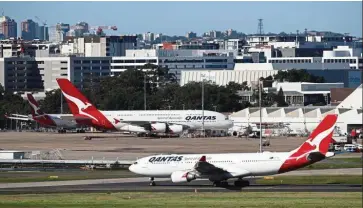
[{"x": 132, "y": 168}]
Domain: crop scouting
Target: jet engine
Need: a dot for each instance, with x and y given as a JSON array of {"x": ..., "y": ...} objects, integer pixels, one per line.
[
  {"x": 132, "y": 128},
  {"x": 156, "y": 127},
  {"x": 175, "y": 129},
  {"x": 182, "y": 176}
]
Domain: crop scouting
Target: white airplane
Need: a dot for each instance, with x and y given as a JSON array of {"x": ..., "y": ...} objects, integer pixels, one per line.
[
  {"x": 141, "y": 121},
  {"x": 218, "y": 168},
  {"x": 60, "y": 121}
]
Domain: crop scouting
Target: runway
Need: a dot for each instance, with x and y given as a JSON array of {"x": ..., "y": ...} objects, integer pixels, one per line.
[{"x": 168, "y": 186}]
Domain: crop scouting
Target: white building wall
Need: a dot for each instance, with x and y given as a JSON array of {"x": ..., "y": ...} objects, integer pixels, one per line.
[
  {"x": 253, "y": 66},
  {"x": 349, "y": 112},
  {"x": 223, "y": 77},
  {"x": 141, "y": 53},
  {"x": 52, "y": 68},
  {"x": 283, "y": 44}
]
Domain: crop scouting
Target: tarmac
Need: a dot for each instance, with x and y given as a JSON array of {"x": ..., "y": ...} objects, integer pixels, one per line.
[
  {"x": 168, "y": 186},
  {"x": 141, "y": 184}
]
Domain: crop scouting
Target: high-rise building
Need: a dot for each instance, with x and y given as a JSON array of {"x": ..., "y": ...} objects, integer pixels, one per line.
[
  {"x": 29, "y": 30},
  {"x": 8, "y": 27},
  {"x": 191, "y": 35},
  {"x": 215, "y": 34},
  {"x": 95, "y": 46},
  {"x": 81, "y": 29},
  {"x": 43, "y": 35},
  {"x": 149, "y": 36},
  {"x": 231, "y": 32},
  {"x": 58, "y": 33}
]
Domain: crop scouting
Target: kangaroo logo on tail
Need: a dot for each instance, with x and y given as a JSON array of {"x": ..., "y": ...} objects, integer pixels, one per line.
[
  {"x": 81, "y": 105},
  {"x": 34, "y": 105},
  {"x": 318, "y": 142}
]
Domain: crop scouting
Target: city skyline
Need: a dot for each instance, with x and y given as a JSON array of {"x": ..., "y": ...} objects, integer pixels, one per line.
[{"x": 278, "y": 16}]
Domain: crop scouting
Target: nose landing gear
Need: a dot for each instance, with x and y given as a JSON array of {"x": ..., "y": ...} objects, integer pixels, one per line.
[{"x": 152, "y": 182}]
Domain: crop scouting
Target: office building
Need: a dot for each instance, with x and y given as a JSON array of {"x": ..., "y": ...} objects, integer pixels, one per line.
[
  {"x": 8, "y": 27},
  {"x": 95, "y": 46},
  {"x": 29, "y": 30},
  {"x": 19, "y": 74}
]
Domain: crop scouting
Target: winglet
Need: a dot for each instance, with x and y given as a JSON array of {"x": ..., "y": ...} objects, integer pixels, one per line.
[{"x": 203, "y": 159}]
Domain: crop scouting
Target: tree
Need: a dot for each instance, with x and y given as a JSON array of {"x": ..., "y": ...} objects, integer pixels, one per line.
[
  {"x": 280, "y": 99},
  {"x": 11, "y": 103},
  {"x": 295, "y": 75},
  {"x": 2, "y": 91},
  {"x": 52, "y": 102}
]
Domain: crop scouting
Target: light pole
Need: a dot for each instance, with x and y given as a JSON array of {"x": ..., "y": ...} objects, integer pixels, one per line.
[
  {"x": 260, "y": 96},
  {"x": 203, "y": 108},
  {"x": 144, "y": 91},
  {"x": 61, "y": 95}
]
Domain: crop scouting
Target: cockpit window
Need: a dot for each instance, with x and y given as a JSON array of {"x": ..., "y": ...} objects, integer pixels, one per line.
[{"x": 135, "y": 163}]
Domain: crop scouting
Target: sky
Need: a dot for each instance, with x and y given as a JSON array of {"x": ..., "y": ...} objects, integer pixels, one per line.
[{"x": 177, "y": 18}]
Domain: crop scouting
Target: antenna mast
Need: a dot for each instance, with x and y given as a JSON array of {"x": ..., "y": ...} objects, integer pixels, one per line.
[{"x": 260, "y": 30}]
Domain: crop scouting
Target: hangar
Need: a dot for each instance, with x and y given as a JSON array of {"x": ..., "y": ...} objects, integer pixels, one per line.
[{"x": 305, "y": 118}]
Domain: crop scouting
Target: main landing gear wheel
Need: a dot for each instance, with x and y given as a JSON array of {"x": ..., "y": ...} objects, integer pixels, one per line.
[
  {"x": 220, "y": 183},
  {"x": 152, "y": 182},
  {"x": 241, "y": 183}
]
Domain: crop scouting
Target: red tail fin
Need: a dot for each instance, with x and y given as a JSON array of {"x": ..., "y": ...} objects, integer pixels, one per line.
[
  {"x": 76, "y": 101},
  {"x": 80, "y": 106},
  {"x": 316, "y": 146},
  {"x": 35, "y": 110},
  {"x": 321, "y": 137}
]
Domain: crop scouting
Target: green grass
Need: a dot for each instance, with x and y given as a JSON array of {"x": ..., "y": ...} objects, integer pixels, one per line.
[
  {"x": 15, "y": 177},
  {"x": 336, "y": 163},
  {"x": 190, "y": 200},
  {"x": 335, "y": 179}
]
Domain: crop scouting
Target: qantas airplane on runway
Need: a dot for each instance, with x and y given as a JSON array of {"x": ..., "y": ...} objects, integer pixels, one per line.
[
  {"x": 59, "y": 121},
  {"x": 218, "y": 168},
  {"x": 141, "y": 121}
]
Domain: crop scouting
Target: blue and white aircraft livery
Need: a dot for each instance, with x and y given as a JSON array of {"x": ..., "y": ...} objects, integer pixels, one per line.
[{"x": 218, "y": 168}]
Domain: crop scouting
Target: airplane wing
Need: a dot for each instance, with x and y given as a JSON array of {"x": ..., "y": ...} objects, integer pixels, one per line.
[
  {"x": 143, "y": 123},
  {"x": 69, "y": 117},
  {"x": 205, "y": 168},
  {"x": 19, "y": 117}
]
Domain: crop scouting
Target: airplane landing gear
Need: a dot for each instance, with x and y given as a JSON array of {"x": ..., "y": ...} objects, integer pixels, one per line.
[
  {"x": 152, "y": 182},
  {"x": 220, "y": 183},
  {"x": 241, "y": 183},
  {"x": 61, "y": 131}
]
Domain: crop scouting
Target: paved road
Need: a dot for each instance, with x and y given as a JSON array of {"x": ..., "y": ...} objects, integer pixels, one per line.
[
  {"x": 349, "y": 171},
  {"x": 168, "y": 186},
  {"x": 165, "y": 185}
]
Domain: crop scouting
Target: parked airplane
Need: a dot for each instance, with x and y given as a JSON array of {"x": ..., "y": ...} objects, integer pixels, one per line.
[
  {"x": 218, "y": 168},
  {"x": 60, "y": 121},
  {"x": 141, "y": 121}
]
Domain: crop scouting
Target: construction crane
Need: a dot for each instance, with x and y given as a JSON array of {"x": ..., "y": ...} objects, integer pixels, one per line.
[
  {"x": 99, "y": 29},
  {"x": 44, "y": 24}
]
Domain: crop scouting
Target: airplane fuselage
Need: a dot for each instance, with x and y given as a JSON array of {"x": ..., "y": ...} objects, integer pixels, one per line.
[
  {"x": 257, "y": 164},
  {"x": 55, "y": 120},
  {"x": 123, "y": 120}
]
